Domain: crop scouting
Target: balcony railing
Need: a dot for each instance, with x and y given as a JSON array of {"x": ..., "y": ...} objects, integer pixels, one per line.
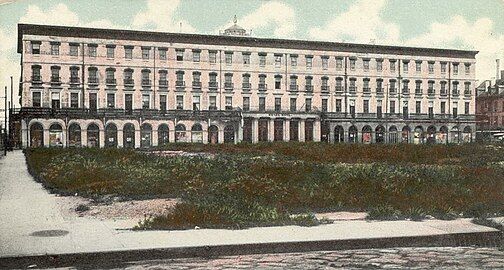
[
  {"x": 129, "y": 82},
  {"x": 92, "y": 80},
  {"x": 467, "y": 93},
  {"x": 309, "y": 88},
  {"x": 293, "y": 87},
  {"x": 405, "y": 91},
  {"x": 180, "y": 84},
  {"x": 146, "y": 82},
  {"x": 379, "y": 90},
  {"x": 213, "y": 85},
  {"x": 246, "y": 86},
  {"x": 431, "y": 91},
  {"x": 339, "y": 88},
  {"x": 74, "y": 80},
  {"x": 196, "y": 85},
  {"x": 455, "y": 93},
  {"x": 111, "y": 81},
  {"x": 366, "y": 90},
  {"x": 352, "y": 89},
  {"x": 163, "y": 83},
  {"x": 418, "y": 91},
  {"x": 228, "y": 86},
  {"x": 392, "y": 90},
  {"x": 55, "y": 80},
  {"x": 262, "y": 87},
  {"x": 36, "y": 78},
  {"x": 324, "y": 88}
]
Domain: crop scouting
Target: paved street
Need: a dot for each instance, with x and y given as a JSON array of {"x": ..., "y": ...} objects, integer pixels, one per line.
[{"x": 399, "y": 258}]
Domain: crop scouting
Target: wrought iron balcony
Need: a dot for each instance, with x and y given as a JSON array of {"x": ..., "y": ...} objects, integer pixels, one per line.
[
  {"x": 309, "y": 88},
  {"x": 146, "y": 82},
  {"x": 36, "y": 79},
  {"x": 246, "y": 86},
  {"x": 92, "y": 80},
  {"x": 212, "y": 85},
  {"x": 293, "y": 87},
  {"x": 228, "y": 86},
  {"x": 129, "y": 82},
  {"x": 262, "y": 87},
  {"x": 111, "y": 81}
]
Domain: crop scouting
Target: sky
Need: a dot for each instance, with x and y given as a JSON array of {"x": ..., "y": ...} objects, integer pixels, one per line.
[{"x": 456, "y": 24}]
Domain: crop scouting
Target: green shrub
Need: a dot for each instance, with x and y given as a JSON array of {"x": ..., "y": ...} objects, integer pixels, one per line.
[{"x": 384, "y": 212}]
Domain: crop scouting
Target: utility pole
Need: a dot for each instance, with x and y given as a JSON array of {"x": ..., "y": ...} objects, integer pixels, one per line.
[{"x": 5, "y": 125}]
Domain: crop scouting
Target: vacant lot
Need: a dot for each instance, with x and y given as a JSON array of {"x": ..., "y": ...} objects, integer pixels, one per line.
[{"x": 264, "y": 184}]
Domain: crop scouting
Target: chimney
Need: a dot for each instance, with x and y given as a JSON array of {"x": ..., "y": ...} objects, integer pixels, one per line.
[{"x": 497, "y": 69}]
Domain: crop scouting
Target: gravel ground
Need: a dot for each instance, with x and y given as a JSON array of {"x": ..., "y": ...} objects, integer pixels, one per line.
[{"x": 397, "y": 258}]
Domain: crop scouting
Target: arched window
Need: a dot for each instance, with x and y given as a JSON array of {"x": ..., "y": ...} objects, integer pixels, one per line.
[
  {"x": 405, "y": 136},
  {"x": 55, "y": 135},
  {"x": 455, "y": 138},
  {"x": 467, "y": 135},
  {"x": 36, "y": 135},
  {"x": 163, "y": 134},
  {"x": 145, "y": 135},
  {"x": 339, "y": 132},
  {"x": 180, "y": 133},
  {"x": 352, "y": 134},
  {"x": 380, "y": 134},
  {"x": 93, "y": 135},
  {"x": 442, "y": 136},
  {"x": 431, "y": 134},
  {"x": 367, "y": 134},
  {"x": 74, "y": 135},
  {"x": 392, "y": 135},
  {"x": 229, "y": 134},
  {"x": 213, "y": 134},
  {"x": 418, "y": 136},
  {"x": 197, "y": 133},
  {"x": 129, "y": 136},
  {"x": 111, "y": 135}
]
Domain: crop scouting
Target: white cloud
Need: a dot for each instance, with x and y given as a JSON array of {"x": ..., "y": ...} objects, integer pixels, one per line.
[
  {"x": 58, "y": 14},
  {"x": 160, "y": 15},
  {"x": 460, "y": 34},
  {"x": 274, "y": 15},
  {"x": 361, "y": 23}
]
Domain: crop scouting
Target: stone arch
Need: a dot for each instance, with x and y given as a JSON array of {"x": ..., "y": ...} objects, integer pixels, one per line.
[
  {"x": 129, "y": 135},
  {"x": 36, "y": 134},
  {"x": 197, "y": 133},
  {"x": 56, "y": 135},
  {"x": 380, "y": 134},
  {"x": 352, "y": 134},
  {"x": 146, "y": 135},
  {"x": 180, "y": 133},
  {"x": 467, "y": 134},
  {"x": 455, "y": 134},
  {"x": 442, "y": 135},
  {"x": 406, "y": 134},
  {"x": 93, "y": 135},
  {"x": 367, "y": 134},
  {"x": 111, "y": 135},
  {"x": 418, "y": 135},
  {"x": 393, "y": 136},
  {"x": 213, "y": 134},
  {"x": 163, "y": 134},
  {"x": 74, "y": 135},
  {"x": 339, "y": 133}
]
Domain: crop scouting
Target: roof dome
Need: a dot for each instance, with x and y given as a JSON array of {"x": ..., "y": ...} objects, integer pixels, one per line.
[{"x": 235, "y": 30}]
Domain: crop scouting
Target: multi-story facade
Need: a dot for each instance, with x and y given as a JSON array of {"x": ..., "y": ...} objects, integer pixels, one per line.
[
  {"x": 490, "y": 109},
  {"x": 100, "y": 87}
]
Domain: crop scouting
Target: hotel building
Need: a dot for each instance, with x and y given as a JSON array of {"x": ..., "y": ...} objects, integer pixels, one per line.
[{"x": 121, "y": 88}]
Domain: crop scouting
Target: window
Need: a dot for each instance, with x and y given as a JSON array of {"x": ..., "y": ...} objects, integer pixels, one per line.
[
  {"x": 36, "y": 73},
  {"x": 418, "y": 66},
  {"x": 74, "y": 49},
  {"x": 110, "y": 51},
  {"x": 455, "y": 109},
  {"x": 325, "y": 62},
  {"x": 455, "y": 68},
  {"x": 379, "y": 109},
  {"x": 443, "y": 67},
  {"x": 455, "y": 90},
  {"x": 262, "y": 104},
  {"x": 212, "y": 103},
  {"x": 339, "y": 84},
  {"x": 365, "y": 87},
  {"x": 92, "y": 50},
  {"x": 55, "y": 48},
  {"x": 418, "y": 107},
  {"x": 392, "y": 106},
  {"x": 278, "y": 82},
  {"x": 308, "y": 83},
  {"x": 229, "y": 103},
  {"x": 443, "y": 88},
  {"x": 293, "y": 60},
  {"x": 36, "y": 99},
  {"x": 128, "y": 52},
  {"x": 146, "y": 101},
  {"x": 405, "y": 66},
  {"x": 365, "y": 63},
  {"x": 196, "y": 55},
  {"x": 246, "y": 81},
  {"x": 392, "y": 87},
  {"x": 352, "y": 87},
  {"x": 467, "y": 88},
  {"x": 262, "y": 59},
  {"x": 109, "y": 73},
  {"x": 309, "y": 61},
  {"x": 162, "y": 103},
  {"x": 467, "y": 68},
  {"x": 352, "y": 63},
  {"x": 293, "y": 104},
  {"x": 293, "y": 83},
  {"x": 405, "y": 89},
  {"x": 229, "y": 58},
  {"x": 418, "y": 87},
  {"x": 246, "y": 103},
  {"x": 35, "y": 47},
  {"x": 228, "y": 81},
  {"x": 405, "y": 110},
  {"x": 431, "y": 67},
  {"x": 180, "y": 77},
  {"x": 180, "y": 54},
  {"x": 55, "y": 74},
  {"x": 392, "y": 65},
  {"x": 93, "y": 99},
  {"x": 308, "y": 104},
  {"x": 110, "y": 100},
  {"x": 212, "y": 57},
  {"x": 162, "y": 53},
  {"x": 379, "y": 86},
  {"x": 443, "y": 107},
  {"x": 466, "y": 107},
  {"x": 145, "y": 53},
  {"x": 325, "y": 84},
  {"x": 246, "y": 58},
  {"x": 146, "y": 77},
  {"x": 196, "y": 103},
  {"x": 324, "y": 105},
  {"x": 278, "y": 60},
  {"x": 93, "y": 75},
  {"x": 339, "y": 63},
  {"x": 180, "y": 102},
  {"x": 379, "y": 64},
  {"x": 365, "y": 106},
  {"x": 352, "y": 107},
  {"x": 338, "y": 105},
  {"x": 55, "y": 100},
  {"x": 431, "y": 109},
  {"x": 431, "y": 87}
]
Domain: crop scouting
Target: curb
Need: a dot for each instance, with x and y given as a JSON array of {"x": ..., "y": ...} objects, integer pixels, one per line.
[{"x": 121, "y": 257}]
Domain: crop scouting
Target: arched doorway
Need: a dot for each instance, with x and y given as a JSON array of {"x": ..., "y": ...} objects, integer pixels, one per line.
[
  {"x": 129, "y": 136},
  {"x": 467, "y": 134},
  {"x": 145, "y": 135},
  {"x": 55, "y": 135},
  {"x": 93, "y": 135},
  {"x": 393, "y": 135},
  {"x": 213, "y": 134},
  {"x": 197, "y": 133},
  {"x": 380, "y": 134},
  {"x": 339, "y": 134},
  {"x": 418, "y": 136},
  {"x": 405, "y": 136},
  {"x": 111, "y": 135},
  {"x": 442, "y": 136},
  {"x": 74, "y": 135},
  {"x": 180, "y": 133},
  {"x": 229, "y": 134},
  {"x": 163, "y": 134},
  {"x": 324, "y": 131},
  {"x": 454, "y": 134},
  {"x": 431, "y": 135},
  {"x": 352, "y": 134},
  {"x": 367, "y": 134},
  {"x": 36, "y": 135}
]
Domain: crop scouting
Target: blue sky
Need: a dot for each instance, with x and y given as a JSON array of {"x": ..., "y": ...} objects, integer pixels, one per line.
[{"x": 460, "y": 24}]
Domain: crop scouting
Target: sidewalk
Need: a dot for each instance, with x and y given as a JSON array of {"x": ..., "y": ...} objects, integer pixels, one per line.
[{"x": 26, "y": 208}]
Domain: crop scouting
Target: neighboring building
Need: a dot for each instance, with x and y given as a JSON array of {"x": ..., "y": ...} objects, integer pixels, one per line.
[
  {"x": 490, "y": 109},
  {"x": 100, "y": 87}
]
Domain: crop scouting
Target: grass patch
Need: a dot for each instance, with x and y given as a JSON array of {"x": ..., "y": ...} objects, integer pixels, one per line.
[{"x": 264, "y": 184}]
